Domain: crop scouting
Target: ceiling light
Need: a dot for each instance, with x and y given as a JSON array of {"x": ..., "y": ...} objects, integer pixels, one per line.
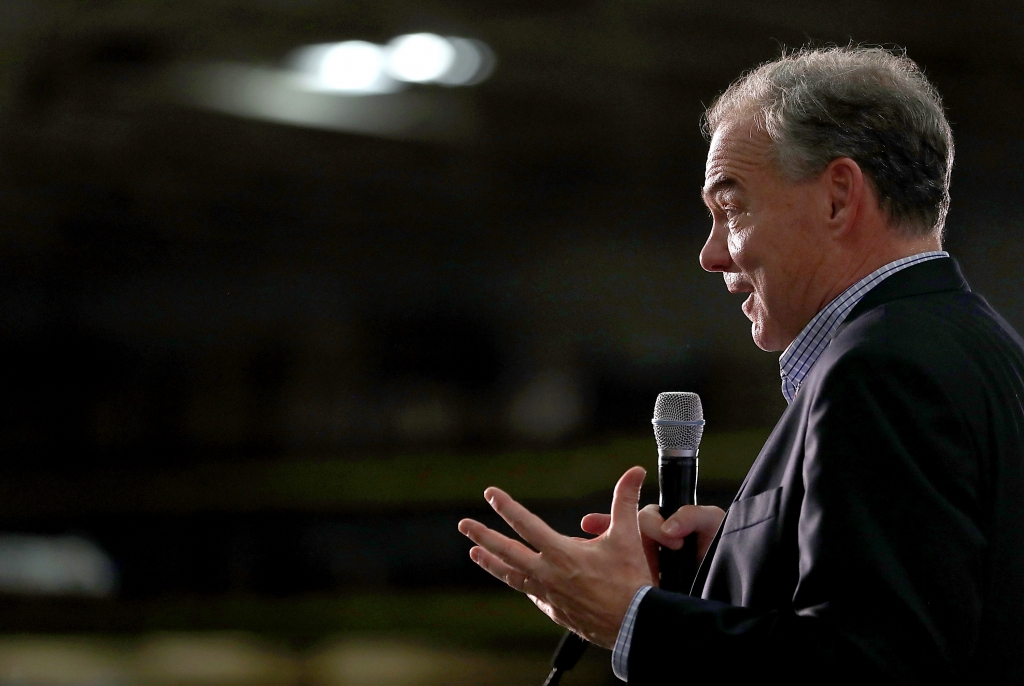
[
  {"x": 419, "y": 57},
  {"x": 352, "y": 66}
]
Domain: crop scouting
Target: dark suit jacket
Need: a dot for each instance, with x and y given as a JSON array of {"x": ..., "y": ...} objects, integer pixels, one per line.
[{"x": 879, "y": 535}]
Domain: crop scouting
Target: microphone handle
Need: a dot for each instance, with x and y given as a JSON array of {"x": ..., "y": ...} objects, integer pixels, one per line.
[
  {"x": 569, "y": 651},
  {"x": 677, "y": 481}
]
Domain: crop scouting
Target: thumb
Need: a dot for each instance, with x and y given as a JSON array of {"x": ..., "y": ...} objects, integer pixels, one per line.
[{"x": 626, "y": 499}]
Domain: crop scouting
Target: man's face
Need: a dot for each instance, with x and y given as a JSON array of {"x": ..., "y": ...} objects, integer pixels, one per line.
[{"x": 766, "y": 234}]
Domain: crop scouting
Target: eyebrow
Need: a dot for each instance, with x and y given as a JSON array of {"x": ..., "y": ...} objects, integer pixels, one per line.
[{"x": 720, "y": 184}]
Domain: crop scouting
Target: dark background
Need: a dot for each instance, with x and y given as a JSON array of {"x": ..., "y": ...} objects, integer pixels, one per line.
[{"x": 195, "y": 303}]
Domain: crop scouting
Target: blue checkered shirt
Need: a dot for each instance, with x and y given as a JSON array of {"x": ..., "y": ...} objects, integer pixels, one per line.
[{"x": 796, "y": 361}]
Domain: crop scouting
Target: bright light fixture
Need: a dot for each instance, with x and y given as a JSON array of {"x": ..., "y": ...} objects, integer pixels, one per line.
[
  {"x": 351, "y": 66},
  {"x": 419, "y": 57},
  {"x": 363, "y": 68}
]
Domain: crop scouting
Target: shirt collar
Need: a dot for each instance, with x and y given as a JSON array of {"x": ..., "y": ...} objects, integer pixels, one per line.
[{"x": 796, "y": 361}]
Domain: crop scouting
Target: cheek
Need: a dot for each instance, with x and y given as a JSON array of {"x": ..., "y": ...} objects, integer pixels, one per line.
[
  {"x": 737, "y": 242},
  {"x": 748, "y": 253}
]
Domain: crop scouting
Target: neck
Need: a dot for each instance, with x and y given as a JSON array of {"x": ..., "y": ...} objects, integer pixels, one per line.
[{"x": 887, "y": 246}]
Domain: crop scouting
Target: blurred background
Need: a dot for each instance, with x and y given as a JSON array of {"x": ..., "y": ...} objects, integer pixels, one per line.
[{"x": 285, "y": 284}]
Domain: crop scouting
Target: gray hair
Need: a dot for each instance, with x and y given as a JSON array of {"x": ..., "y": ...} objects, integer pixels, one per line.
[{"x": 865, "y": 103}]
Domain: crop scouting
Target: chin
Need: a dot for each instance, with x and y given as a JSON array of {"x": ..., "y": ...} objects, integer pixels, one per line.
[
  {"x": 764, "y": 338},
  {"x": 767, "y": 347}
]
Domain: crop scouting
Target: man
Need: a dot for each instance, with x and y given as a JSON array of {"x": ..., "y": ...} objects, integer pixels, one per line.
[{"x": 879, "y": 535}]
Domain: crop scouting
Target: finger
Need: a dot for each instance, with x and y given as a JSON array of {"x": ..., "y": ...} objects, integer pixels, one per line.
[
  {"x": 690, "y": 518},
  {"x": 511, "y": 552},
  {"x": 595, "y": 523},
  {"x": 494, "y": 566},
  {"x": 625, "y": 500},
  {"x": 651, "y": 521},
  {"x": 650, "y": 516},
  {"x": 703, "y": 520},
  {"x": 532, "y": 528}
]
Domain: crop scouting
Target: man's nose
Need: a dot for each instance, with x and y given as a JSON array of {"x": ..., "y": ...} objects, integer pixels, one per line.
[{"x": 714, "y": 256}]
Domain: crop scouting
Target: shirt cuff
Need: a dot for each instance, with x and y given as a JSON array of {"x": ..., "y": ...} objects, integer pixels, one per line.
[{"x": 620, "y": 653}]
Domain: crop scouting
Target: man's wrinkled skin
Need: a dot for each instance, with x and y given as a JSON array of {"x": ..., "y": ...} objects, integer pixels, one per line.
[
  {"x": 586, "y": 585},
  {"x": 794, "y": 246}
]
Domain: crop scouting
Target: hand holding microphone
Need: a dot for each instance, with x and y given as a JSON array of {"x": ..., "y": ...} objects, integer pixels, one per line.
[
  {"x": 700, "y": 520},
  {"x": 676, "y": 533},
  {"x": 586, "y": 585},
  {"x": 675, "y": 547}
]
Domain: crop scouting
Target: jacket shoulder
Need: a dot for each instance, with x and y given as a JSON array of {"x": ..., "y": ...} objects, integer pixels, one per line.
[{"x": 953, "y": 337}]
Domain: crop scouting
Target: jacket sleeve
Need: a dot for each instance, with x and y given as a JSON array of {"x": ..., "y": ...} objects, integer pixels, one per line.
[{"x": 889, "y": 575}]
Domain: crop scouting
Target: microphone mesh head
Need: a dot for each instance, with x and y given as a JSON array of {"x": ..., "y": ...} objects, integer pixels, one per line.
[{"x": 680, "y": 407}]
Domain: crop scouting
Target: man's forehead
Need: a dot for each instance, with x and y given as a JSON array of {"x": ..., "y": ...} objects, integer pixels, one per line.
[
  {"x": 737, "y": 149},
  {"x": 713, "y": 187}
]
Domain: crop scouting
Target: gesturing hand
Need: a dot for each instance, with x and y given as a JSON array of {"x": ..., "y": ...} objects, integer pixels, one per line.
[
  {"x": 655, "y": 531},
  {"x": 585, "y": 585}
]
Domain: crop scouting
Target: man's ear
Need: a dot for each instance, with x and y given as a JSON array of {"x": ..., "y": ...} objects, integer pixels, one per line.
[{"x": 845, "y": 187}]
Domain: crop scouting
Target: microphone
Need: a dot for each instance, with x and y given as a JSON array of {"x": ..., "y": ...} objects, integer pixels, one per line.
[
  {"x": 569, "y": 651},
  {"x": 678, "y": 427}
]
